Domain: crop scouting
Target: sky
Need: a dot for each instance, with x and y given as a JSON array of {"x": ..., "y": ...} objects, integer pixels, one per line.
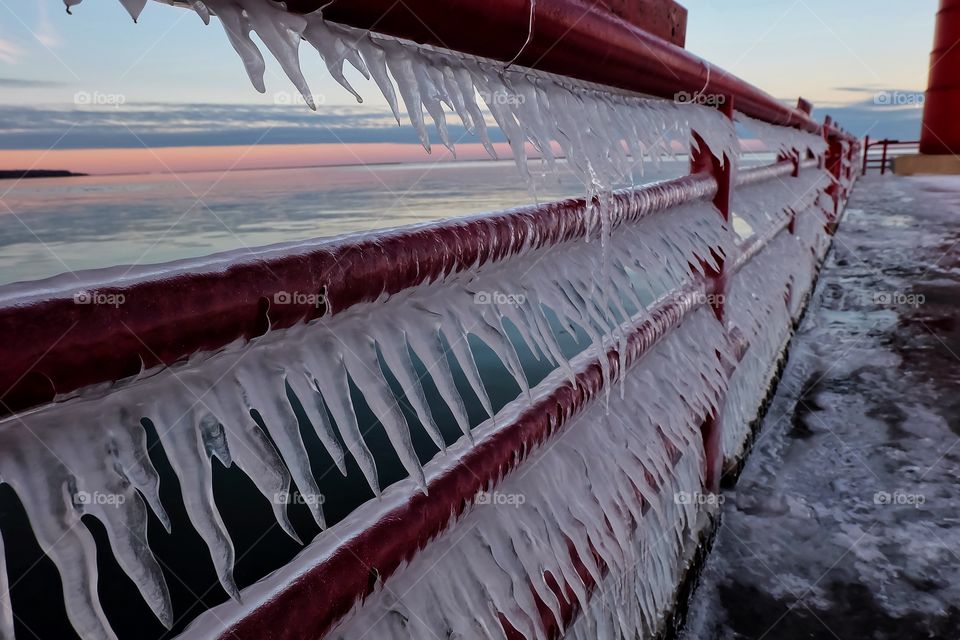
[{"x": 172, "y": 82}]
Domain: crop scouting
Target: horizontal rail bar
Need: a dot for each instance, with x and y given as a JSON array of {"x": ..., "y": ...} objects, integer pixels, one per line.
[
  {"x": 399, "y": 528},
  {"x": 169, "y": 312},
  {"x": 574, "y": 38}
]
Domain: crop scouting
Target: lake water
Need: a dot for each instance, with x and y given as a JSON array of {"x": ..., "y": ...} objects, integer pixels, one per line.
[{"x": 53, "y": 226}]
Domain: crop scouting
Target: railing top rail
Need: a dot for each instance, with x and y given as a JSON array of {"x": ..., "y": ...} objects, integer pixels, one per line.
[
  {"x": 890, "y": 143},
  {"x": 574, "y": 38}
]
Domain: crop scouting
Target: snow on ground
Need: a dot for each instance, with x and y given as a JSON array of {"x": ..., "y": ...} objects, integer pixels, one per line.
[{"x": 846, "y": 520}]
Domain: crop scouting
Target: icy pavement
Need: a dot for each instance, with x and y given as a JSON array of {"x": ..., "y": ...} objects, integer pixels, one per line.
[{"x": 846, "y": 520}]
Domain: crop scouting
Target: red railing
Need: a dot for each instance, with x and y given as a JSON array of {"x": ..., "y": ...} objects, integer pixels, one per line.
[
  {"x": 884, "y": 159},
  {"x": 201, "y": 305},
  {"x": 410, "y": 523}
]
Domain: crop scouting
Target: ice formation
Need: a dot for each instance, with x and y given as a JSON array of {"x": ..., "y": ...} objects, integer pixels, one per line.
[
  {"x": 612, "y": 483},
  {"x": 6, "y": 609},
  {"x": 786, "y": 140},
  {"x": 604, "y": 136},
  {"x": 202, "y": 409},
  {"x": 755, "y": 300}
]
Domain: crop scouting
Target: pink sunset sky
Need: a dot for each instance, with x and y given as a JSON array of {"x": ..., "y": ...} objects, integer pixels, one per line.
[
  {"x": 176, "y": 98},
  {"x": 233, "y": 157}
]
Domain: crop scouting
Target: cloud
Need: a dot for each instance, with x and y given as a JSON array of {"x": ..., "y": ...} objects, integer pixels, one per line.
[
  {"x": 9, "y": 52},
  {"x": 24, "y": 83},
  {"x": 187, "y": 125},
  {"x": 100, "y": 123},
  {"x": 877, "y": 121}
]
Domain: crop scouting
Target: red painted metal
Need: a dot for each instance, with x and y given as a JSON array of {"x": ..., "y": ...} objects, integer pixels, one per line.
[
  {"x": 203, "y": 304},
  {"x": 665, "y": 19},
  {"x": 887, "y": 146},
  {"x": 866, "y": 150},
  {"x": 702, "y": 160},
  {"x": 327, "y": 591},
  {"x": 322, "y": 594},
  {"x": 576, "y": 38},
  {"x": 941, "y": 129},
  {"x": 198, "y": 305}
]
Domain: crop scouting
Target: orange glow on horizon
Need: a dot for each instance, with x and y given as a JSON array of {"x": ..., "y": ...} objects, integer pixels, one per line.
[
  {"x": 222, "y": 158},
  {"x": 267, "y": 156}
]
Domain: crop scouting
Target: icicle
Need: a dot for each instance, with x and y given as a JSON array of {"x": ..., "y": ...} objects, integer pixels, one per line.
[
  {"x": 431, "y": 97},
  {"x": 376, "y": 62},
  {"x": 134, "y": 7},
  {"x": 426, "y": 345},
  {"x": 192, "y": 465},
  {"x": 313, "y": 405},
  {"x": 265, "y": 390},
  {"x": 397, "y": 358},
  {"x": 365, "y": 372},
  {"x": 331, "y": 49},
  {"x": 6, "y": 609},
  {"x": 330, "y": 377},
  {"x": 237, "y": 28},
  {"x": 280, "y": 30},
  {"x": 402, "y": 68},
  {"x": 201, "y": 10}
]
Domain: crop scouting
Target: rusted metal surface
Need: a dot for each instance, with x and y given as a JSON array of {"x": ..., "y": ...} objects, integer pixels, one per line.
[{"x": 665, "y": 19}]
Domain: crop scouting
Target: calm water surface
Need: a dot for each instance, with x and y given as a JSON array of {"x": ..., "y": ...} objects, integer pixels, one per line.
[{"x": 52, "y": 226}]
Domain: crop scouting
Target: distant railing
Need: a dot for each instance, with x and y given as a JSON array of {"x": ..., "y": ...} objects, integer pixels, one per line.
[{"x": 888, "y": 150}]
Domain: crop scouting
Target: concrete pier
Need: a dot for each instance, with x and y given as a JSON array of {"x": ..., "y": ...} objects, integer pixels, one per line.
[{"x": 844, "y": 522}]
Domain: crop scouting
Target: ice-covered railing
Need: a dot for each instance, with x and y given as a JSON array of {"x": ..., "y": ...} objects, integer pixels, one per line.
[{"x": 246, "y": 358}]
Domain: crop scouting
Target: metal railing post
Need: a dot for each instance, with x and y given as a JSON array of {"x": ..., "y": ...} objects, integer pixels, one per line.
[
  {"x": 866, "y": 153},
  {"x": 704, "y": 160}
]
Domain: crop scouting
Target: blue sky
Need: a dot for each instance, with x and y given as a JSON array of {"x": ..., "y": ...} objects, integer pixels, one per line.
[{"x": 170, "y": 66}]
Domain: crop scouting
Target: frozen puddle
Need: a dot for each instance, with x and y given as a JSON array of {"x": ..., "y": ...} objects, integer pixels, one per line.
[{"x": 844, "y": 523}]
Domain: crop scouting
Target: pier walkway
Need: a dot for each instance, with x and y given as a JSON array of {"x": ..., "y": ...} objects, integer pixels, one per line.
[{"x": 844, "y": 522}]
